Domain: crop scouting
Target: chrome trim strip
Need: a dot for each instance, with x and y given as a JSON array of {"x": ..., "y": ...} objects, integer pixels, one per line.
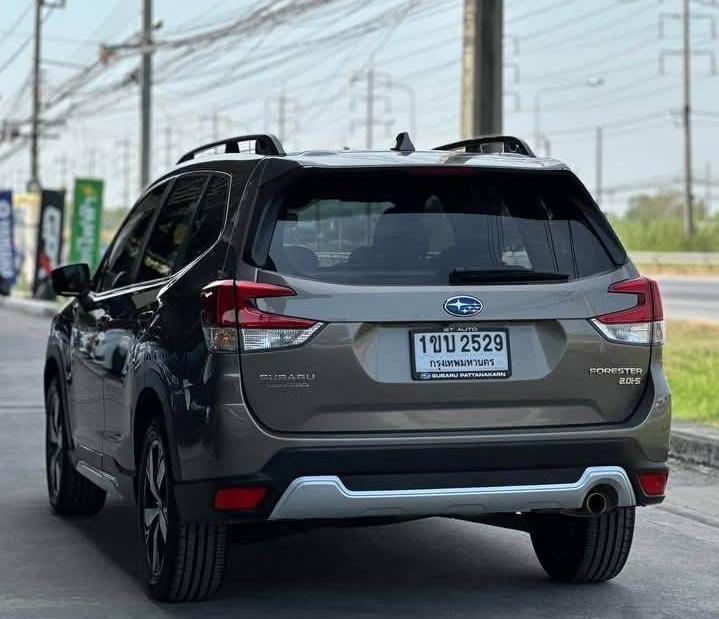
[
  {"x": 327, "y": 497},
  {"x": 104, "y": 480}
]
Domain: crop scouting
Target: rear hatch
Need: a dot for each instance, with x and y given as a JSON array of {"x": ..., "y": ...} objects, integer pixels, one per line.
[{"x": 439, "y": 299}]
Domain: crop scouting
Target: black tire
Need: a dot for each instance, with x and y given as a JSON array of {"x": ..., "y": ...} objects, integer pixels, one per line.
[
  {"x": 583, "y": 549},
  {"x": 183, "y": 562},
  {"x": 70, "y": 493}
]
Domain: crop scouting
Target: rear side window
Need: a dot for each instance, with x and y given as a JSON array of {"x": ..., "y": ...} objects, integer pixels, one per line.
[
  {"x": 435, "y": 226},
  {"x": 118, "y": 268},
  {"x": 172, "y": 227},
  {"x": 208, "y": 220}
]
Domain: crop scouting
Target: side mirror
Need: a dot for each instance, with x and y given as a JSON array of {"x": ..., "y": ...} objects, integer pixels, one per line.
[{"x": 71, "y": 280}]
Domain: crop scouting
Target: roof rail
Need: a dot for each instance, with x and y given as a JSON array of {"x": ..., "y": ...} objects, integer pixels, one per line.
[
  {"x": 509, "y": 143},
  {"x": 265, "y": 144}
]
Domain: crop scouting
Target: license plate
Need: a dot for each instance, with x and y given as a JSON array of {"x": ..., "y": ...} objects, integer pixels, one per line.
[{"x": 459, "y": 354}]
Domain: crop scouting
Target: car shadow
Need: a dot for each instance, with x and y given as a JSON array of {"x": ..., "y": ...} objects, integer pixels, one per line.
[
  {"x": 114, "y": 532},
  {"x": 434, "y": 567}
]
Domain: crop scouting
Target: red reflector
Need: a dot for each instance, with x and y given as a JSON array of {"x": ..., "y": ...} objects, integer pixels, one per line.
[
  {"x": 239, "y": 498},
  {"x": 653, "y": 484},
  {"x": 649, "y": 302}
]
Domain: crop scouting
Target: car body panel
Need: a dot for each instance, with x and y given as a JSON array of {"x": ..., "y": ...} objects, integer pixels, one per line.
[
  {"x": 128, "y": 313},
  {"x": 85, "y": 386}
]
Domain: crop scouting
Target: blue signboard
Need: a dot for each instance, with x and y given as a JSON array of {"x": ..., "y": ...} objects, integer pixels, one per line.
[{"x": 7, "y": 239}]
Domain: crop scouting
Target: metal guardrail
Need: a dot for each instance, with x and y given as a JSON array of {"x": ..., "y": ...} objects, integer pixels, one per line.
[{"x": 677, "y": 258}]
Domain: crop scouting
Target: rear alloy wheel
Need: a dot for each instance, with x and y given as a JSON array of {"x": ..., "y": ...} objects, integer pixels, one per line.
[
  {"x": 183, "y": 562},
  {"x": 583, "y": 549},
  {"x": 154, "y": 508},
  {"x": 68, "y": 491}
]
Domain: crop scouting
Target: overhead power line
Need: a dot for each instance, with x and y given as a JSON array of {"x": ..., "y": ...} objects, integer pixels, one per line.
[
  {"x": 553, "y": 28},
  {"x": 616, "y": 124},
  {"x": 21, "y": 48},
  {"x": 604, "y": 29},
  {"x": 542, "y": 10}
]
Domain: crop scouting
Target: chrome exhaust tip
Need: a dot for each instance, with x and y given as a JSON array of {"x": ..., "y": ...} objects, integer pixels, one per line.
[{"x": 596, "y": 503}]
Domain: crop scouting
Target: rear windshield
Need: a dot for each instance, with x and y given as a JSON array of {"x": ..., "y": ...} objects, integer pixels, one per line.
[{"x": 436, "y": 227}]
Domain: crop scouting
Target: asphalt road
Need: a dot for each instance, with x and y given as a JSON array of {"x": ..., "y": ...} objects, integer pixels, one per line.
[
  {"x": 57, "y": 568},
  {"x": 690, "y": 298}
]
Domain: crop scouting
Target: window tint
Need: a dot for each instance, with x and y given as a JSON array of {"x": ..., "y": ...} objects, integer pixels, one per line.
[
  {"x": 120, "y": 264},
  {"x": 209, "y": 219},
  {"x": 417, "y": 226},
  {"x": 172, "y": 228}
]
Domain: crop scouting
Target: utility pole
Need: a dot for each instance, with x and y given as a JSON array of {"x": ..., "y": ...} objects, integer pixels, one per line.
[
  {"x": 541, "y": 140},
  {"x": 708, "y": 188},
  {"x": 215, "y": 126},
  {"x": 369, "y": 120},
  {"x": 282, "y": 117},
  {"x": 412, "y": 99},
  {"x": 126, "y": 166},
  {"x": 214, "y": 119},
  {"x": 146, "y": 93},
  {"x": 599, "y": 163},
  {"x": 282, "y": 113},
  {"x": 124, "y": 145},
  {"x": 168, "y": 146},
  {"x": 685, "y": 18},
  {"x": 378, "y": 87},
  {"x": 34, "y": 182},
  {"x": 686, "y": 118},
  {"x": 482, "y": 67}
]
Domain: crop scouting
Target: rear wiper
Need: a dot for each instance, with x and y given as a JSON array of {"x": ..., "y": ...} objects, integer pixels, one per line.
[{"x": 500, "y": 276}]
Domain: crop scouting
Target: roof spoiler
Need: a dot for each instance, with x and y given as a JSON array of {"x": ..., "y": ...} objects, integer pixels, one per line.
[
  {"x": 265, "y": 144},
  {"x": 491, "y": 145}
]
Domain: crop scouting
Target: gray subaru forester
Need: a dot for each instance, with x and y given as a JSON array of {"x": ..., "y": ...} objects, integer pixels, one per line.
[{"x": 277, "y": 340}]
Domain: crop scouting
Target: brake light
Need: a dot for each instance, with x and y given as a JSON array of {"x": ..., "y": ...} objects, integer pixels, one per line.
[
  {"x": 653, "y": 484},
  {"x": 642, "y": 323},
  {"x": 232, "y": 499},
  {"x": 228, "y": 312}
]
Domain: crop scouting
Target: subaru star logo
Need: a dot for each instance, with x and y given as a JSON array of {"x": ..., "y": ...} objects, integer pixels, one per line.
[{"x": 463, "y": 306}]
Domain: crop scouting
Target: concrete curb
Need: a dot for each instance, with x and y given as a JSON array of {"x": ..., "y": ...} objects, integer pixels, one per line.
[
  {"x": 46, "y": 309},
  {"x": 695, "y": 444}
]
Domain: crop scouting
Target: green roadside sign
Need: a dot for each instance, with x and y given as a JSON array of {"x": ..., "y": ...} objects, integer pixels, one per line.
[{"x": 86, "y": 222}]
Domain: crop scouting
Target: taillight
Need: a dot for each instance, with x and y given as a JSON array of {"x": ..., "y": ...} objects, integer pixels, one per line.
[
  {"x": 228, "y": 311},
  {"x": 642, "y": 323}
]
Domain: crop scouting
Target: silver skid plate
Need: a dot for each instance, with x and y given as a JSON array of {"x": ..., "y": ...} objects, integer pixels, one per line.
[{"x": 327, "y": 497}]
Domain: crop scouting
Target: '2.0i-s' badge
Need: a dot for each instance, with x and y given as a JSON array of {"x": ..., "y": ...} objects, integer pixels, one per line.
[{"x": 463, "y": 306}]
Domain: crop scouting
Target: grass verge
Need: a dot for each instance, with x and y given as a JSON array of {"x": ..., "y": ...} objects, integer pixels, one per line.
[
  {"x": 691, "y": 360},
  {"x": 682, "y": 270}
]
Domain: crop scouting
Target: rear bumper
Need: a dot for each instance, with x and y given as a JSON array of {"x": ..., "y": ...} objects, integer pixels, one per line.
[{"x": 422, "y": 480}]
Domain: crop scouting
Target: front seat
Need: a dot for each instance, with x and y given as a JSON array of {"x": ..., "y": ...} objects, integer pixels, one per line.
[
  {"x": 302, "y": 258},
  {"x": 400, "y": 240}
]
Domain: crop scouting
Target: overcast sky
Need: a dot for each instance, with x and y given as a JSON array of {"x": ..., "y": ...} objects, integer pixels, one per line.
[{"x": 552, "y": 46}]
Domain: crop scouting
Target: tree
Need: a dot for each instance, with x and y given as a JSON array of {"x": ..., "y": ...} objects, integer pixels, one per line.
[{"x": 664, "y": 204}]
